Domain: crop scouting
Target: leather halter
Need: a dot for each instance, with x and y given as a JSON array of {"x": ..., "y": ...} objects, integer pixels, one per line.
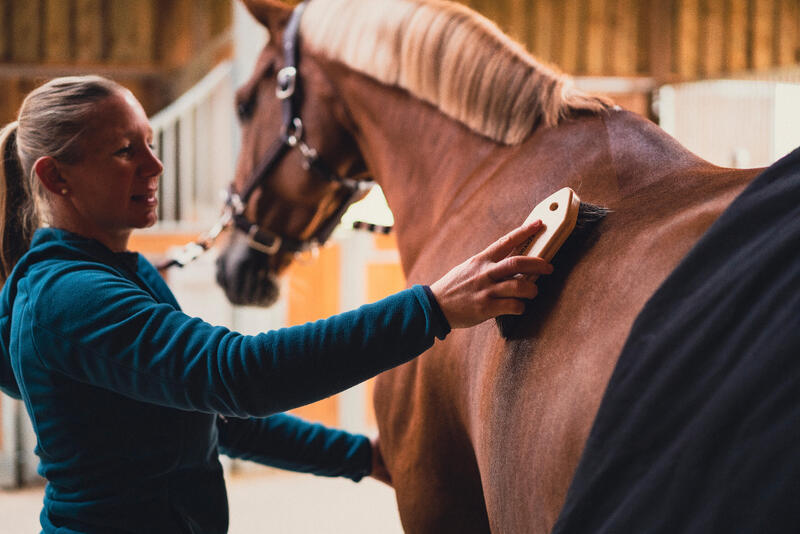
[{"x": 291, "y": 137}]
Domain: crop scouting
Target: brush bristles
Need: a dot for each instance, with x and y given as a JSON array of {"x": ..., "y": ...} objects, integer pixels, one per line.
[{"x": 589, "y": 214}]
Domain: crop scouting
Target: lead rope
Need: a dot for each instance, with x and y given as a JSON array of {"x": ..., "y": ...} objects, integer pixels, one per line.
[{"x": 194, "y": 249}]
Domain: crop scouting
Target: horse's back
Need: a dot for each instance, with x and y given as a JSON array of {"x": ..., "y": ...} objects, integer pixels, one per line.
[
  {"x": 548, "y": 382},
  {"x": 504, "y": 422},
  {"x": 711, "y": 363}
]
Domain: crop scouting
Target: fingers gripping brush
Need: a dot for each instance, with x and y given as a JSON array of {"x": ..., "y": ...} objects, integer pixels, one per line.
[{"x": 562, "y": 213}]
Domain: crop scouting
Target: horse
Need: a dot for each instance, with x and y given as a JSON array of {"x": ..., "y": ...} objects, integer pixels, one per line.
[{"x": 465, "y": 132}]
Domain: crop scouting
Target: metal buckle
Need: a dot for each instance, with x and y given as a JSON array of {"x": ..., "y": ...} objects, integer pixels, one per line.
[
  {"x": 293, "y": 132},
  {"x": 235, "y": 202},
  {"x": 287, "y": 80},
  {"x": 269, "y": 250}
]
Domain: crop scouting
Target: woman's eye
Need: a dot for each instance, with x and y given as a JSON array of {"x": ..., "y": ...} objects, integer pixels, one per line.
[{"x": 124, "y": 150}]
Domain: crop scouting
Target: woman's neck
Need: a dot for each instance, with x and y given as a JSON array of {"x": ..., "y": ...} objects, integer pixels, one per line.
[{"x": 116, "y": 241}]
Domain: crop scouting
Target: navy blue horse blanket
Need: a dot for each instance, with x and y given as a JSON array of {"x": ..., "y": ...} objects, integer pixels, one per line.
[{"x": 699, "y": 428}]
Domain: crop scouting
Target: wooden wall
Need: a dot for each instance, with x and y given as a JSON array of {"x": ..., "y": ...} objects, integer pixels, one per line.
[
  {"x": 160, "y": 47},
  {"x": 157, "y": 48},
  {"x": 669, "y": 40}
]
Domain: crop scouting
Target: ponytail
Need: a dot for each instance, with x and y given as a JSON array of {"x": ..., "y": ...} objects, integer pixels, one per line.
[{"x": 18, "y": 213}]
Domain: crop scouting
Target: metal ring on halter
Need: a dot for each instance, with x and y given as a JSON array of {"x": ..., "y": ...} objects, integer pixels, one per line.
[
  {"x": 269, "y": 250},
  {"x": 293, "y": 132},
  {"x": 308, "y": 153},
  {"x": 287, "y": 81}
]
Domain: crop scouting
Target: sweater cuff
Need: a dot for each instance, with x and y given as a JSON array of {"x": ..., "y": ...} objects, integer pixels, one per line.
[{"x": 443, "y": 326}]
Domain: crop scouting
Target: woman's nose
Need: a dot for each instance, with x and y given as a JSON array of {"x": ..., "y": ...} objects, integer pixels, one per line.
[{"x": 152, "y": 166}]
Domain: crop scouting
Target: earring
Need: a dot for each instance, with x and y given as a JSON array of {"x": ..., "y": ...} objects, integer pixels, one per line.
[{"x": 64, "y": 190}]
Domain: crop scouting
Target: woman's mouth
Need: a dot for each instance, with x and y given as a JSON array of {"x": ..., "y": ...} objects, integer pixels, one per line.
[{"x": 148, "y": 199}]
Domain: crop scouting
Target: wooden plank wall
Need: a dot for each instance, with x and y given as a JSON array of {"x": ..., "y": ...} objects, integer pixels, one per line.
[
  {"x": 143, "y": 44},
  {"x": 669, "y": 40},
  {"x": 140, "y": 43}
]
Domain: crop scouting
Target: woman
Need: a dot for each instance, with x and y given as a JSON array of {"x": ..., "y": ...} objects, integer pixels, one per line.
[{"x": 130, "y": 399}]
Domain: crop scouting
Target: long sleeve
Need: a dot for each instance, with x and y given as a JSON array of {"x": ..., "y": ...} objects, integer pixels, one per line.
[
  {"x": 102, "y": 329},
  {"x": 288, "y": 442}
]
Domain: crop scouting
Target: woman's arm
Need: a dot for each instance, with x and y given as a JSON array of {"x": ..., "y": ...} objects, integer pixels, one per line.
[
  {"x": 100, "y": 328},
  {"x": 288, "y": 442}
]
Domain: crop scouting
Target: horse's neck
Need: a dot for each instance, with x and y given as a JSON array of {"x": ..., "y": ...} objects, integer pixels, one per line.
[
  {"x": 453, "y": 191},
  {"x": 426, "y": 163}
]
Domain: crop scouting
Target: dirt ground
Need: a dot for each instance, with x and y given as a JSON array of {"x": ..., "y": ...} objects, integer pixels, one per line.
[{"x": 262, "y": 502}]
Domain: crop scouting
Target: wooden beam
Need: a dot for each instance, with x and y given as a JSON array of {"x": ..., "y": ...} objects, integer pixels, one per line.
[
  {"x": 570, "y": 40},
  {"x": 687, "y": 39},
  {"x": 763, "y": 19},
  {"x": 518, "y": 18},
  {"x": 89, "y": 31},
  {"x": 595, "y": 37},
  {"x": 5, "y": 30},
  {"x": 7, "y": 105},
  {"x": 661, "y": 34},
  {"x": 42, "y": 71},
  {"x": 788, "y": 40},
  {"x": 543, "y": 30},
  {"x": 623, "y": 59},
  {"x": 174, "y": 45},
  {"x": 712, "y": 37},
  {"x": 200, "y": 24},
  {"x": 221, "y": 16},
  {"x": 26, "y": 30},
  {"x": 131, "y": 31},
  {"x": 58, "y": 38},
  {"x": 736, "y": 35}
]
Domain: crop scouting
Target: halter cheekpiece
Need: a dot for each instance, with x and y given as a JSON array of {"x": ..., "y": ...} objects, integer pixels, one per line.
[{"x": 291, "y": 137}]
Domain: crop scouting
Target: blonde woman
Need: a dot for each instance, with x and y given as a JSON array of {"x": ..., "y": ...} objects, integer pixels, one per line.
[{"x": 132, "y": 400}]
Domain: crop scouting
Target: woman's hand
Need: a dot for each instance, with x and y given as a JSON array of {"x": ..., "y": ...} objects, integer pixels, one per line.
[
  {"x": 491, "y": 283},
  {"x": 379, "y": 470}
]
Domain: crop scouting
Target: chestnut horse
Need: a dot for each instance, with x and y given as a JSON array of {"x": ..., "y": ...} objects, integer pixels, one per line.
[{"x": 465, "y": 133}]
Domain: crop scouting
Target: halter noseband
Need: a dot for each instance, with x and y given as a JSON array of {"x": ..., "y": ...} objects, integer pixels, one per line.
[{"x": 291, "y": 136}]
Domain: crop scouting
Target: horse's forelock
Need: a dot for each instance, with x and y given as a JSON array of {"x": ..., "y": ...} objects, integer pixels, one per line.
[{"x": 450, "y": 56}]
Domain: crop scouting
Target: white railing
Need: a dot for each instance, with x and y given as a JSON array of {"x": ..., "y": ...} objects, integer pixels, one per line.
[{"x": 195, "y": 138}]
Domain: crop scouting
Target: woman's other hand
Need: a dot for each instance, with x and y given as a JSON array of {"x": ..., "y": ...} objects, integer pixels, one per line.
[{"x": 491, "y": 283}]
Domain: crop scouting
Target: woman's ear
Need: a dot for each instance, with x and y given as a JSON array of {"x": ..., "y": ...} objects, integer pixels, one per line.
[{"x": 47, "y": 170}]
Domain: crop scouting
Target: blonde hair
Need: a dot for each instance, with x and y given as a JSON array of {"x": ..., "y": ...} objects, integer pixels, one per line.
[
  {"x": 50, "y": 122},
  {"x": 449, "y": 56}
]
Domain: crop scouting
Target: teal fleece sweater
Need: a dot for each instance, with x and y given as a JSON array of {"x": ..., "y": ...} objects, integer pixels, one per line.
[{"x": 125, "y": 391}]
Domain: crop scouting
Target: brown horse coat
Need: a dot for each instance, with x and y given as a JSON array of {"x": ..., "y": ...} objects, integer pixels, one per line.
[{"x": 481, "y": 432}]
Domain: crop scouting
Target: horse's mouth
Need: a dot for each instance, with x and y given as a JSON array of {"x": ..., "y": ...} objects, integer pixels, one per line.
[{"x": 245, "y": 276}]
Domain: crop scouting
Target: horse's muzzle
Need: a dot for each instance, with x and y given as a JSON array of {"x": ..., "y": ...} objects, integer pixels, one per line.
[{"x": 245, "y": 275}]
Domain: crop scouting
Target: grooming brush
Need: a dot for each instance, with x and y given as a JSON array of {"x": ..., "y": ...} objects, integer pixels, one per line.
[{"x": 560, "y": 214}]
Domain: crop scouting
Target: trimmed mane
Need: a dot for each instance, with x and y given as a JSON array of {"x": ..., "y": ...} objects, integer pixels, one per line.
[{"x": 449, "y": 56}]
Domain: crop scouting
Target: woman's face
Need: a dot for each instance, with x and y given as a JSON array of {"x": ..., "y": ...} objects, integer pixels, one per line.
[{"x": 113, "y": 185}]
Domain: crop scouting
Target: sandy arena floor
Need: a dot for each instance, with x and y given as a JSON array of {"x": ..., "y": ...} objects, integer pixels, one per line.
[{"x": 263, "y": 502}]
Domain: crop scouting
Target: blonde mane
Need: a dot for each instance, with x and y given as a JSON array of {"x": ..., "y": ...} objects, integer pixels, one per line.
[{"x": 451, "y": 57}]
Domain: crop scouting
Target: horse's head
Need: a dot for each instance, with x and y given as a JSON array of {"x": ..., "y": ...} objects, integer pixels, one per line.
[{"x": 298, "y": 168}]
